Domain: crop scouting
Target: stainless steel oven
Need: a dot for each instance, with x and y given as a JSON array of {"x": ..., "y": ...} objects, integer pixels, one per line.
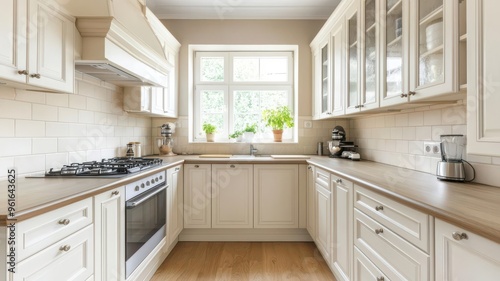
[{"x": 145, "y": 218}]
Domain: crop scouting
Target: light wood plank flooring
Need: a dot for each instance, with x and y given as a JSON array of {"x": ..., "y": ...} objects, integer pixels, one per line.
[{"x": 244, "y": 261}]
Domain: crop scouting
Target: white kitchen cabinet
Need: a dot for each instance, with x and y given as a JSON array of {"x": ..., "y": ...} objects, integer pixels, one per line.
[
  {"x": 150, "y": 101},
  {"x": 71, "y": 258},
  {"x": 342, "y": 217},
  {"x": 338, "y": 63},
  {"x": 39, "y": 52},
  {"x": 462, "y": 255},
  {"x": 311, "y": 202},
  {"x": 232, "y": 200},
  {"x": 324, "y": 221},
  {"x": 109, "y": 227},
  {"x": 483, "y": 70},
  {"x": 197, "y": 196},
  {"x": 365, "y": 270},
  {"x": 420, "y": 51},
  {"x": 276, "y": 189},
  {"x": 322, "y": 106},
  {"x": 175, "y": 210}
]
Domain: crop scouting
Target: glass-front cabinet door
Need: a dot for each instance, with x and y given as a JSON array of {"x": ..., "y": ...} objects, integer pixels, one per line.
[
  {"x": 337, "y": 73},
  {"x": 322, "y": 95},
  {"x": 369, "y": 52},
  {"x": 353, "y": 44},
  {"x": 394, "y": 48}
]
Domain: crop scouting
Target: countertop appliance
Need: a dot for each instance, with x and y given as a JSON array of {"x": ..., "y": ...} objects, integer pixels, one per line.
[
  {"x": 340, "y": 148},
  {"x": 166, "y": 142},
  {"x": 145, "y": 218},
  {"x": 451, "y": 166},
  {"x": 112, "y": 167}
]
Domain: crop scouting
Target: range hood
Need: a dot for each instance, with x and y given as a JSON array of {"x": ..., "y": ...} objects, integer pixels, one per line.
[{"x": 119, "y": 45}]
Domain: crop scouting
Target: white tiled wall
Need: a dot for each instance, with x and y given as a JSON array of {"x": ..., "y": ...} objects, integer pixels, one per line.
[
  {"x": 398, "y": 139},
  {"x": 321, "y": 131},
  {"x": 40, "y": 130}
]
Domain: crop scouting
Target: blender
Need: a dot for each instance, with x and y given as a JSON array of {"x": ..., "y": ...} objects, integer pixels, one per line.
[
  {"x": 166, "y": 142},
  {"x": 451, "y": 167}
]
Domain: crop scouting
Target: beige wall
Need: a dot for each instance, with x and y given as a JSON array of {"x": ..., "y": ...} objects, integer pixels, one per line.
[{"x": 285, "y": 32}]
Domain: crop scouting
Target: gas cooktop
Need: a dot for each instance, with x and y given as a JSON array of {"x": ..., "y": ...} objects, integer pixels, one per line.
[{"x": 113, "y": 167}]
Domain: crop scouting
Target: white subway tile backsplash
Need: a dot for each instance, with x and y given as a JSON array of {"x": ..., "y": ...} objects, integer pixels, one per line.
[
  {"x": 479, "y": 159},
  {"x": 86, "y": 117},
  {"x": 402, "y": 146},
  {"x": 93, "y": 154},
  {"x": 68, "y": 115},
  {"x": 455, "y": 115},
  {"x": 29, "y": 128},
  {"x": 30, "y": 96},
  {"x": 416, "y": 119},
  {"x": 75, "y": 144},
  {"x": 61, "y": 100},
  {"x": 7, "y": 128},
  {"x": 54, "y": 160},
  {"x": 437, "y": 131},
  {"x": 45, "y": 112},
  {"x": 30, "y": 163},
  {"x": 432, "y": 117},
  {"x": 15, "y": 109},
  {"x": 424, "y": 133},
  {"x": 54, "y": 129},
  {"x": 15, "y": 146},
  {"x": 78, "y": 156},
  {"x": 44, "y": 145},
  {"x": 402, "y": 120},
  {"x": 93, "y": 104},
  {"x": 6, "y": 163},
  {"x": 77, "y": 102}
]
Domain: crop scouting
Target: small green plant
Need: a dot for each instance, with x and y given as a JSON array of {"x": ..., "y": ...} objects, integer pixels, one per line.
[
  {"x": 251, "y": 128},
  {"x": 236, "y": 134},
  {"x": 209, "y": 128},
  {"x": 278, "y": 118}
]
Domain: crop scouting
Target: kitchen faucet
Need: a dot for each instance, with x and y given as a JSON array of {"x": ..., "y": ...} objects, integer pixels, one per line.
[{"x": 253, "y": 150}]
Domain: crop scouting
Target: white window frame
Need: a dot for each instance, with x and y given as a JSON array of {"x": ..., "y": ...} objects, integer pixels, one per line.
[{"x": 195, "y": 86}]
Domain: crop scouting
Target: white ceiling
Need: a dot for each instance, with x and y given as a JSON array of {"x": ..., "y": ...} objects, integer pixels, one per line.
[{"x": 242, "y": 9}]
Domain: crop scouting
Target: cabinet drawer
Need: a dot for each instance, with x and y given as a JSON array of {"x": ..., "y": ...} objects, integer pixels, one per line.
[
  {"x": 365, "y": 270},
  {"x": 393, "y": 255},
  {"x": 409, "y": 223},
  {"x": 322, "y": 178},
  {"x": 75, "y": 262},
  {"x": 41, "y": 231}
]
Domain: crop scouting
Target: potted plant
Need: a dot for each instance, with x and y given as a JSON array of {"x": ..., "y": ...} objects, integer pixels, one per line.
[
  {"x": 209, "y": 130},
  {"x": 236, "y": 135},
  {"x": 249, "y": 132},
  {"x": 278, "y": 119}
]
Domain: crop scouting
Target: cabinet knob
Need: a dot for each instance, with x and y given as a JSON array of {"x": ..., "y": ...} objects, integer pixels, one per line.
[
  {"x": 404, "y": 95},
  {"x": 36, "y": 75},
  {"x": 379, "y": 208},
  {"x": 380, "y": 230},
  {"x": 459, "y": 235},
  {"x": 329, "y": 113},
  {"x": 411, "y": 93},
  {"x": 338, "y": 181},
  {"x": 196, "y": 166},
  {"x": 177, "y": 169},
  {"x": 116, "y": 192},
  {"x": 232, "y": 166},
  {"x": 65, "y": 248},
  {"x": 64, "y": 221},
  {"x": 380, "y": 279},
  {"x": 309, "y": 168},
  {"x": 23, "y": 72}
]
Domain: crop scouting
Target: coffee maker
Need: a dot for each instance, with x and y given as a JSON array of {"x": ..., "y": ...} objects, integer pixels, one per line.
[
  {"x": 339, "y": 147},
  {"x": 451, "y": 167}
]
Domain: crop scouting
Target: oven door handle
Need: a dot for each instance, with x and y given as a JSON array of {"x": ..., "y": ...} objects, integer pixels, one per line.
[{"x": 135, "y": 203}]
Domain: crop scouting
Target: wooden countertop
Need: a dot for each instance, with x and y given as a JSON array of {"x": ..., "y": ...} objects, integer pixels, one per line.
[{"x": 474, "y": 207}]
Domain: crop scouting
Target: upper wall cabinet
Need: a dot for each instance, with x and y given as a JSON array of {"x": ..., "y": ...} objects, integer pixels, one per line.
[
  {"x": 483, "y": 74},
  {"x": 38, "y": 52},
  {"x": 321, "y": 67}
]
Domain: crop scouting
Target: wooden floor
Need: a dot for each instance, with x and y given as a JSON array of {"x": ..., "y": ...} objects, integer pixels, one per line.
[{"x": 244, "y": 261}]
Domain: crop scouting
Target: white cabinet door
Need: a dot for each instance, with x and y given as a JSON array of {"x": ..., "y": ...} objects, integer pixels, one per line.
[
  {"x": 13, "y": 46},
  {"x": 109, "y": 225},
  {"x": 232, "y": 200},
  {"x": 137, "y": 99},
  {"x": 462, "y": 255},
  {"x": 170, "y": 95},
  {"x": 311, "y": 202},
  {"x": 197, "y": 196},
  {"x": 365, "y": 270},
  {"x": 483, "y": 70},
  {"x": 337, "y": 69},
  {"x": 51, "y": 50},
  {"x": 175, "y": 209},
  {"x": 324, "y": 221},
  {"x": 322, "y": 106},
  {"x": 342, "y": 216},
  {"x": 157, "y": 95},
  {"x": 71, "y": 258},
  {"x": 276, "y": 189}
]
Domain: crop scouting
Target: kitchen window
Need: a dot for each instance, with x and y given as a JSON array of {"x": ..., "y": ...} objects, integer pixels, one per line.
[{"x": 231, "y": 89}]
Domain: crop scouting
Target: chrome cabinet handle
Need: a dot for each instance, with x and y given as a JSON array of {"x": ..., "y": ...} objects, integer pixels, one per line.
[
  {"x": 404, "y": 95},
  {"x": 380, "y": 278},
  {"x": 116, "y": 192},
  {"x": 36, "y": 75},
  {"x": 459, "y": 235},
  {"x": 23, "y": 72},
  {"x": 232, "y": 166},
  {"x": 309, "y": 168},
  {"x": 411, "y": 93},
  {"x": 196, "y": 166},
  {"x": 177, "y": 169},
  {"x": 379, "y": 208},
  {"x": 378, "y": 231},
  {"x": 65, "y": 248},
  {"x": 338, "y": 181},
  {"x": 64, "y": 221}
]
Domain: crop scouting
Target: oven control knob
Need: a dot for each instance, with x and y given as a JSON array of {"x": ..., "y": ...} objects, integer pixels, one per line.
[
  {"x": 152, "y": 180},
  {"x": 156, "y": 179},
  {"x": 142, "y": 185},
  {"x": 136, "y": 188},
  {"x": 147, "y": 183},
  {"x": 161, "y": 177}
]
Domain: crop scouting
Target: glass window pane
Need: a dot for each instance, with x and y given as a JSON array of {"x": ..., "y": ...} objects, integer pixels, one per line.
[
  {"x": 253, "y": 69},
  {"x": 212, "y": 69},
  {"x": 212, "y": 109}
]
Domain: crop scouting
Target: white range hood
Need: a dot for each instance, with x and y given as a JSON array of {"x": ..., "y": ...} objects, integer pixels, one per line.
[{"x": 118, "y": 44}]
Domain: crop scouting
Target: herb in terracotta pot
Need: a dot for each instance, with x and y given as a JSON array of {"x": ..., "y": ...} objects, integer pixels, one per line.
[{"x": 278, "y": 119}]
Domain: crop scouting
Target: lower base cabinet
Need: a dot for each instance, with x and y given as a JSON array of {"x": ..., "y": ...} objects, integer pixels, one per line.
[
  {"x": 463, "y": 256},
  {"x": 324, "y": 221},
  {"x": 109, "y": 224},
  {"x": 365, "y": 270},
  {"x": 175, "y": 197}
]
